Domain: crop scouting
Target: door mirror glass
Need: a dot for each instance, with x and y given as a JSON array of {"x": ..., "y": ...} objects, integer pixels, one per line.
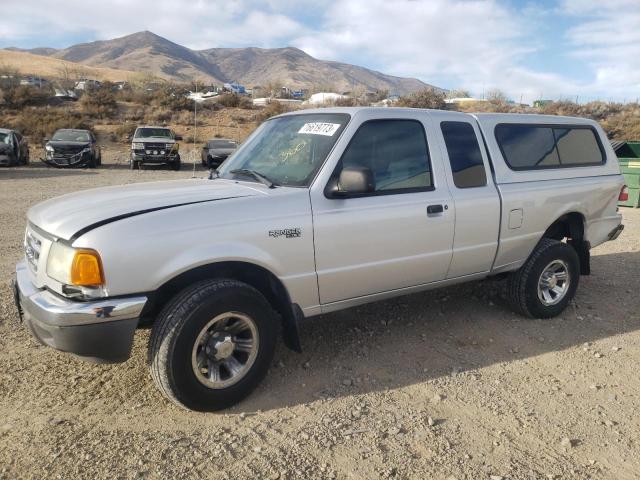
[{"x": 178, "y": 138}]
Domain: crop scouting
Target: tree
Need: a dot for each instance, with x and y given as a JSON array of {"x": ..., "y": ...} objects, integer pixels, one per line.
[
  {"x": 458, "y": 93},
  {"x": 496, "y": 95}
]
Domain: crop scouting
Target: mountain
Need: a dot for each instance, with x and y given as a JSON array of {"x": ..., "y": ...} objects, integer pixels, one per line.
[
  {"x": 150, "y": 53},
  {"x": 25, "y": 63}
]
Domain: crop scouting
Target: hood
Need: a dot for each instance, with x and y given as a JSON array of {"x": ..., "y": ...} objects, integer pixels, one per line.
[
  {"x": 71, "y": 215},
  {"x": 154, "y": 140},
  {"x": 65, "y": 143},
  {"x": 222, "y": 152}
]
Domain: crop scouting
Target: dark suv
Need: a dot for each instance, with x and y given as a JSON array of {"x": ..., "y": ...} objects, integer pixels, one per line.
[
  {"x": 72, "y": 148},
  {"x": 155, "y": 145}
]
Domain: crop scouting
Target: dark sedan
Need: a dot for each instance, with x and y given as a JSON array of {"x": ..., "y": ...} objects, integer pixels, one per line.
[
  {"x": 14, "y": 149},
  {"x": 72, "y": 148},
  {"x": 216, "y": 151}
]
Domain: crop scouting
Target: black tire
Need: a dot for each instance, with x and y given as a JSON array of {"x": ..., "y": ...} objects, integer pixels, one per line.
[
  {"x": 177, "y": 328},
  {"x": 92, "y": 162},
  {"x": 176, "y": 166},
  {"x": 25, "y": 160},
  {"x": 134, "y": 165},
  {"x": 522, "y": 286}
]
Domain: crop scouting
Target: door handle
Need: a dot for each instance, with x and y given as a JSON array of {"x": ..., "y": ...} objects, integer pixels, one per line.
[{"x": 434, "y": 209}]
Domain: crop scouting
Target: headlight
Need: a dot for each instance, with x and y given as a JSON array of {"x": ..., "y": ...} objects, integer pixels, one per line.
[
  {"x": 75, "y": 266},
  {"x": 48, "y": 148},
  {"x": 137, "y": 146}
]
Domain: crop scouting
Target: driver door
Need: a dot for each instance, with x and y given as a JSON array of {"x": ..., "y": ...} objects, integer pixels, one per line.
[{"x": 390, "y": 238}]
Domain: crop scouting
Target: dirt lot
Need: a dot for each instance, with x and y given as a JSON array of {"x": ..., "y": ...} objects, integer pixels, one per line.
[{"x": 441, "y": 385}]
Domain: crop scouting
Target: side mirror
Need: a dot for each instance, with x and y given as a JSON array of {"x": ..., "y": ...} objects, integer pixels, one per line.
[
  {"x": 178, "y": 138},
  {"x": 354, "y": 181}
]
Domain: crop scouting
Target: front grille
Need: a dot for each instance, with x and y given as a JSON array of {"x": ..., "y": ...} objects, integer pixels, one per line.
[
  {"x": 67, "y": 150},
  {"x": 32, "y": 248},
  {"x": 155, "y": 146}
]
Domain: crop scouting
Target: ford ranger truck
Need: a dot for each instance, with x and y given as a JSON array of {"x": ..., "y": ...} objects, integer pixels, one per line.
[
  {"x": 318, "y": 211},
  {"x": 155, "y": 146}
]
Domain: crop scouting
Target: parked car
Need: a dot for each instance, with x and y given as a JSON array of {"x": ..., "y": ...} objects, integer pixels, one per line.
[
  {"x": 216, "y": 151},
  {"x": 319, "y": 210},
  {"x": 14, "y": 148},
  {"x": 71, "y": 147},
  {"x": 156, "y": 146}
]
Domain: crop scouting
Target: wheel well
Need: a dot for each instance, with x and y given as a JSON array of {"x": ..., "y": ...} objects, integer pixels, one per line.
[
  {"x": 258, "y": 277},
  {"x": 571, "y": 227}
]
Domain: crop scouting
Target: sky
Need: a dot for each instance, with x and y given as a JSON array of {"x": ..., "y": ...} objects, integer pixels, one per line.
[{"x": 572, "y": 49}]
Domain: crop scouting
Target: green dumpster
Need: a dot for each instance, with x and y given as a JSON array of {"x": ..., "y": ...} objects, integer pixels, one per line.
[{"x": 629, "y": 158}]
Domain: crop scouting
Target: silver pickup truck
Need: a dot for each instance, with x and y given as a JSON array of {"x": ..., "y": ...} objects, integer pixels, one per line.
[{"x": 318, "y": 211}]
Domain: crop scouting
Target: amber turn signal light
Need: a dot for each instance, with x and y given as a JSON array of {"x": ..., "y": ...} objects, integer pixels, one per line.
[{"x": 86, "y": 269}]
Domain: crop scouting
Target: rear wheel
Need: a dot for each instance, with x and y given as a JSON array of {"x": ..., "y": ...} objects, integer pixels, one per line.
[
  {"x": 212, "y": 344},
  {"x": 547, "y": 282}
]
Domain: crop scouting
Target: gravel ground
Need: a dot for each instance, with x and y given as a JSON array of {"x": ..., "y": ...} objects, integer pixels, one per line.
[{"x": 448, "y": 384}]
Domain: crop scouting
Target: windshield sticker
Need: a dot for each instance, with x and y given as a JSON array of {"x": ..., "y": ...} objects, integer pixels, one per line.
[{"x": 320, "y": 128}]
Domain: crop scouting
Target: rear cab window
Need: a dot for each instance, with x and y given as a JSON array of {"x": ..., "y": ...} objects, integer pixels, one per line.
[
  {"x": 464, "y": 154},
  {"x": 533, "y": 147}
]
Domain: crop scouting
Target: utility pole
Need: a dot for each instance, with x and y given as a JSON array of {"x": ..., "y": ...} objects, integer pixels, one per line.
[{"x": 195, "y": 128}]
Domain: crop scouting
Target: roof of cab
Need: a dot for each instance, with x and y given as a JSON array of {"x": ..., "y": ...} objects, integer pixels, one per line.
[{"x": 488, "y": 117}]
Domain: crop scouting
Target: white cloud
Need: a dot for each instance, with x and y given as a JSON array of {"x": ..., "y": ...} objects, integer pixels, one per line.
[
  {"x": 608, "y": 40},
  {"x": 475, "y": 44}
]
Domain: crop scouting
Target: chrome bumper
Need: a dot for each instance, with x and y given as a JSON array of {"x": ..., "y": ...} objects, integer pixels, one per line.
[{"x": 99, "y": 330}]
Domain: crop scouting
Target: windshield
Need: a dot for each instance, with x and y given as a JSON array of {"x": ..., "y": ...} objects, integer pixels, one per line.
[
  {"x": 71, "y": 136},
  {"x": 5, "y": 138},
  {"x": 153, "y": 132},
  {"x": 222, "y": 144},
  {"x": 288, "y": 150}
]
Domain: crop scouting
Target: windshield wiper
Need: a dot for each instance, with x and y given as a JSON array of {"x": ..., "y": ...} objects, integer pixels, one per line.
[{"x": 258, "y": 176}]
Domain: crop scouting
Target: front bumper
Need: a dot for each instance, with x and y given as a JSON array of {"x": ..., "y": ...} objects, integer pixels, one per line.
[
  {"x": 67, "y": 160},
  {"x": 155, "y": 159},
  {"x": 100, "y": 331}
]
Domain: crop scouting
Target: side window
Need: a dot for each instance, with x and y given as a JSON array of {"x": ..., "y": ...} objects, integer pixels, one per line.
[
  {"x": 464, "y": 154},
  {"x": 529, "y": 147},
  {"x": 526, "y": 147},
  {"x": 395, "y": 151},
  {"x": 578, "y": 146}
]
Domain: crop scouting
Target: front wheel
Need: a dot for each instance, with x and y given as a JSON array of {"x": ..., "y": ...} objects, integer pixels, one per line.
[
  {"x": 547, "y": 282},
  {"x": 176, "y": 165},
  {"x": 212, "y": 344}
]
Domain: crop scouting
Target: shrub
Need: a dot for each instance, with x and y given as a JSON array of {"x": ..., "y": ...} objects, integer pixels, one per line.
[
  {"x": 23, "y": 95},
  {"x": 427, "y": 98},
  {"x": 124, "y": 130},
  {"x": 234, "y": 100},
  {"x": 39, "y": 124},
  {"x": 271, "y": 110},
  {"x": 100, "y": 103}
]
